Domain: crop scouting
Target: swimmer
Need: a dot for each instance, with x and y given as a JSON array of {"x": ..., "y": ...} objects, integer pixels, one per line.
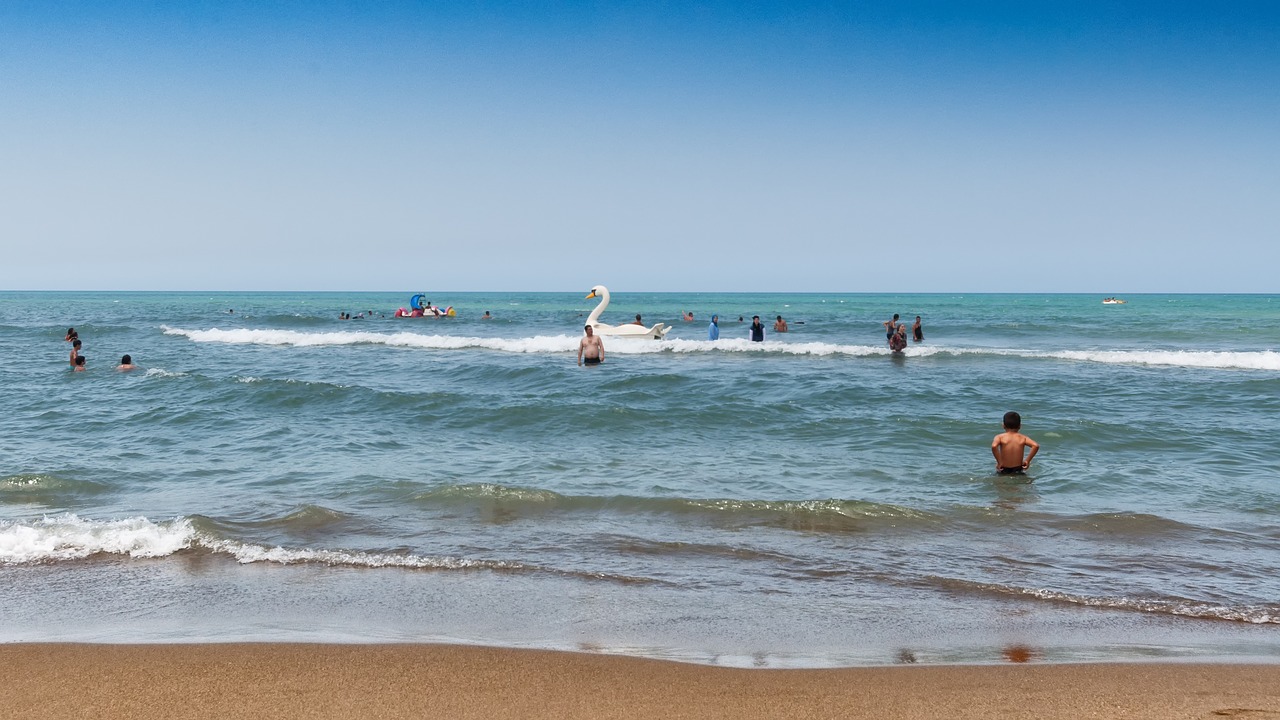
[
  {"x": 486, "y": 316},
  {"x": 71, "y": 335},
  {"x": 79, "y": 365},
  {"x": 592, "y": 347},
  {"x": 687, "y": 317},
  {"x": 1009, "y": 446},
  {"x": 890, "y": 327},
  {"x": 638, "y": 321},
  {"x": 126, "y": 364},
  {"x": 756, "y": 329},
  {"x": 75, "y": 352},
  {"x": 779, "y": 325},
  {"x": 917, "y": 332}
]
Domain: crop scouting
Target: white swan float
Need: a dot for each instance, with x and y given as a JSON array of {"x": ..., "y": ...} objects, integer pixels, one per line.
[{"x": 657, "y": 332}]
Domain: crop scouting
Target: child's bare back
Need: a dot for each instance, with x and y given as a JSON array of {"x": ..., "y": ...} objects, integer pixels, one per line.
[{"x": 1010, "y": 446}]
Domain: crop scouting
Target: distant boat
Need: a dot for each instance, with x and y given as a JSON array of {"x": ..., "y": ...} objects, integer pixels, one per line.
[{"x": 1113, "y": 301}]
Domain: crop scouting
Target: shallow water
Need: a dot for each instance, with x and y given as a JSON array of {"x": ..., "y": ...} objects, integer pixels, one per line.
[{"x": 276, "y": 473}]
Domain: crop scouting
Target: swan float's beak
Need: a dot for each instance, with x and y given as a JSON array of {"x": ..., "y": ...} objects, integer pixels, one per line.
[{"x": 593, "y": 294}]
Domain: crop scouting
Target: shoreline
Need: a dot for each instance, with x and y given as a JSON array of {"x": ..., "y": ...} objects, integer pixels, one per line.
[{"x": 290, "y": 680}]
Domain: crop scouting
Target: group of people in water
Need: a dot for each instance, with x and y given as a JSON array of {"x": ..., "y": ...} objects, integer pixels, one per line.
[
  {"x": 755, "y": 331},
  {"x": 79, "y": 361},
  {"x": 896, "y": 333},
  {"x": 591, "y": 349}
]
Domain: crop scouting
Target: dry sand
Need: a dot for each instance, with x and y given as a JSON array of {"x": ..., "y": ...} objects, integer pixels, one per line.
[{"x": 437, "y": 681}]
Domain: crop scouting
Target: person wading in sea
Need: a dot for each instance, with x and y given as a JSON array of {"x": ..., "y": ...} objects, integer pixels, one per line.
[{"x": 591, "y": 349}]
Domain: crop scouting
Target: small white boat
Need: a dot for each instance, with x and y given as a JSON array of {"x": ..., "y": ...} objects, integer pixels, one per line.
[{"x": 1113, "y": 301}]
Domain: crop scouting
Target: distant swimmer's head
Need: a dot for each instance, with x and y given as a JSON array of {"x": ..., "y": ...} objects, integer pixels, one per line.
[
  {"x": 76, "y": 343},
  {"x": 1012, "y": 421},
  {"x": 638, "y": 318},
  {"x": 895, "y": 317},
  {"x": 126, "y": 360},
  {"x": 779, "y": 318},
  {"x": 917, "y": 317},
  {"x": 755, "y": 317},
  {"x": 80, "y": 360}
]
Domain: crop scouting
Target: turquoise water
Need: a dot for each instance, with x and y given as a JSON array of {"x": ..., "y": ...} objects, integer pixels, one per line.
[{"x": 277, "y": 473}]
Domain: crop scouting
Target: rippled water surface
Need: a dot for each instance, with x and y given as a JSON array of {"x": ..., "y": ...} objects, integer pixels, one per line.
[{"x": 278, "y": 473}]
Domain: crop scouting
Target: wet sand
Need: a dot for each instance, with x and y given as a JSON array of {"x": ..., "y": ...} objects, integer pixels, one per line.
[{"x": 414, "y": 681}]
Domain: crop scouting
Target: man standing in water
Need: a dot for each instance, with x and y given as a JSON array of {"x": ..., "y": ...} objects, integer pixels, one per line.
[
  {"x": 917, "y": 332},
  {"x": 591, "y": 349},
  {"x": 757, "y": 330},
  {"x": 890, "y": 327}
]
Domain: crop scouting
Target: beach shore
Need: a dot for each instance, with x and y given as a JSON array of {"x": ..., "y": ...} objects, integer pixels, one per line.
[{"x": 412, "y": 681}]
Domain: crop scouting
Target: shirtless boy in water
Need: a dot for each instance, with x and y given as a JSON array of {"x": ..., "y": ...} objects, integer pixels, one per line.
[{"x": 1009, "y": 446}]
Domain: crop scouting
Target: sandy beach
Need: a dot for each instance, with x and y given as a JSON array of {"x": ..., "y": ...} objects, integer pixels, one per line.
[{"x": 411, "y": 681}]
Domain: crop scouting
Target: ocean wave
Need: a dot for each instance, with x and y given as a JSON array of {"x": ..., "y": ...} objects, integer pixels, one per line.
[
  {"x": 68, "y": 537},
  {"x": 1253, "y": 614},
  {"x": 831, "y": 514},
  {"x": 162, "y": 373},
  {"x": 546, "y": 344},
  {"x": 44, "y": 488}
]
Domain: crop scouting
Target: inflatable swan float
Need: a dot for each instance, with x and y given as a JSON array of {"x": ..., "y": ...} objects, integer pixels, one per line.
[{"x": 657, "y": 332}]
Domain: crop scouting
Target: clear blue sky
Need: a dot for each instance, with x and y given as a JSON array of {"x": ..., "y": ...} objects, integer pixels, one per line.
[{"x": 649, "y": 146}]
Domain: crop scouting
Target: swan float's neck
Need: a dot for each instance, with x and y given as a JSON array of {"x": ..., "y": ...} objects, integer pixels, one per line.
[{"x": 594, "y": 318}]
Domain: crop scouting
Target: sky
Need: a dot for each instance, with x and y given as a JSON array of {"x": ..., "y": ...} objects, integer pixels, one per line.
[{"x": 649, "y": 146}]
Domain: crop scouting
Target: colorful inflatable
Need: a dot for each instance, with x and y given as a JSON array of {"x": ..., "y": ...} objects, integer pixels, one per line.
[{"x": 420, "y": 306}]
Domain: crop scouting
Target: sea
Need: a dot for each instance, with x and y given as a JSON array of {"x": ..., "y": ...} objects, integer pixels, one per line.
[{"x": 273, "y": 473}]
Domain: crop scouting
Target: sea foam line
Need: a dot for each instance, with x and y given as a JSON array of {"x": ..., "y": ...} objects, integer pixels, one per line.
[
  {"x": 546, "y": 344},
  {"x": 68, "y": 537},
  {"x": 1254, "y": 614}
]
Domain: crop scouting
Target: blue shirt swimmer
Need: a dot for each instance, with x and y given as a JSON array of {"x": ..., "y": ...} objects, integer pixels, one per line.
[{"x": 713, "y": 330}]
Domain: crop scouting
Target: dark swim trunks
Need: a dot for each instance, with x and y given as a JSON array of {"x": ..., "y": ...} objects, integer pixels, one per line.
[
  {"x": 1011, "y": 471},
  {"x": 590, "y": 361}
]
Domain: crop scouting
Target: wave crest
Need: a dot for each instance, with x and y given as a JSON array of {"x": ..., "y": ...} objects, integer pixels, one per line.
[
  {"x": 547, "y": 344},
  {"x": 1253, "y": 614}
]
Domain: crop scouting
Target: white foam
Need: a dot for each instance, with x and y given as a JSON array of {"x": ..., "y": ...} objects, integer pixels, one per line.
[
  {"x": 1260, "y": 360},
  {"x": 248, "y": 553},
  {"x": 1257, "y": 615},
  {"x": 548, "y": 344},
  {"x": 161, "y": 372},
  {"x": 67, "y": 537}
]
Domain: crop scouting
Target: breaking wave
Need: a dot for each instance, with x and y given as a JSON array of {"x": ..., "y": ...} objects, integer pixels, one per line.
[
  {"x": 540, "y": 344},
  {"x": 68, "y": 537}
]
